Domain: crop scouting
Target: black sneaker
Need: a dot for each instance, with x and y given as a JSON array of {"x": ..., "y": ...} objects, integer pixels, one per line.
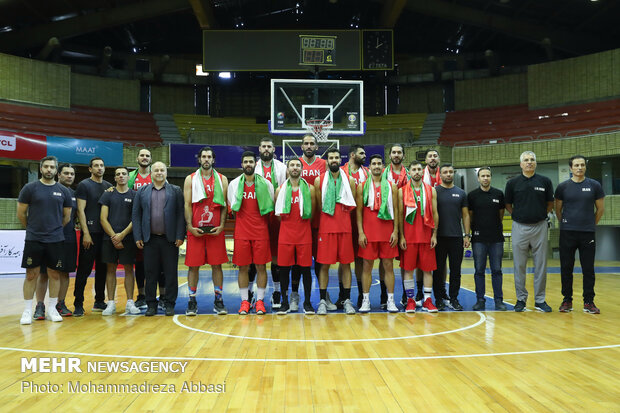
[
  {"x": 169, "y": 309},
  {"x": 383, "y": 304},
  {"x": 383, "y": 300},
  {"x": 403, "y": 300},
  {"x": 141, "y": 302},
  {"x": 39, "y": 311},
  {"x": 284, "y": 308},
  {"x": 276, "y": 299},
  {"x": 99, "y": 306},
  {"x": 78, "y": 311},
  {"x": 520, "y": 306},
  {"x": 339, "y": 303},
  {"x": 456, "y": 306},
  {"x": 150, "y": 311},
  {"x": 500, "y": 306},
  {"x": 63, "y": 310},
  {"x": 418, "y": 297},
  {"x": 480, "y": 305},
  {"x": 192, "y": 307},
  {"x": 308, "y": 309},
  {"x": 544, "y": 307},
  {"x": 440, "y": 304},
  {"x": 219, "y": 308}
]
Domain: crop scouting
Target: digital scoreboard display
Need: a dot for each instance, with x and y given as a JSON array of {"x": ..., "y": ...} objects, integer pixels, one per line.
[{"x": 317, "y": 50}]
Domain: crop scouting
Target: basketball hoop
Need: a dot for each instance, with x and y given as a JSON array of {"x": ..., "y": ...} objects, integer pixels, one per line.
[{"x": 319, "y": 128}]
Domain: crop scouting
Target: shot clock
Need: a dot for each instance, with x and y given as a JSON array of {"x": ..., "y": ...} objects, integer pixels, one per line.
[{"x": 317, "y": 50}]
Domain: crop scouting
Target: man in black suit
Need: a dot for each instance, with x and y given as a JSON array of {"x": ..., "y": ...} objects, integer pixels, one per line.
[{"x": 159, "y": 229}]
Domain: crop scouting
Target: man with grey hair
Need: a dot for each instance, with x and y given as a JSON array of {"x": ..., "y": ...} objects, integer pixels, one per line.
[{"x": 529, "y": 198}]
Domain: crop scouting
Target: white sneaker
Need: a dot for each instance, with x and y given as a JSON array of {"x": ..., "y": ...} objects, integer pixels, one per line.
[
  {"x": 131, "y": 308},
  {"x": 348, "y": 307},
  {"x": 52, "y": 314},
  {"x": 26, "y": 317},
  {"x": 110, "y": 309},
  {"x": 322, "y": 309},
  {"x": 294, "y": 302},
  {"x": 330, "y": 306},
  {"x": 365, "y": 307},
  {"x": 391, "y": 306}
]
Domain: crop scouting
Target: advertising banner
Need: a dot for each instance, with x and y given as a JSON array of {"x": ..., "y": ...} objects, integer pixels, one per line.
[
  {"x": 80, "y": 151},
  {"x": 22, "y": 146},
  {"x": 11, "y": 251}
]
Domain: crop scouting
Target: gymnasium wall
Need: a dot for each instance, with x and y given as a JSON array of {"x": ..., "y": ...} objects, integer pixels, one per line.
[
  {"x": 581, "y": 79},
  {"x": 172, "y": 99},
  {"x": 105, "y": 92},
  {"x": 427, "y": 98},
  {"x": 491, "y": 92},
  {"x": 33, "y": 81}
]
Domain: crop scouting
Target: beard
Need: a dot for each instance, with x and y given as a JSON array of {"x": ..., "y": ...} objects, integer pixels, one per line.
[
  {"x": 248, "y": 170},
  {"x": 294, "y": 174},
  {"x": 397, "y": 161},
  {"x": 309, "y": 153},
  {"x": 206, "y": 166},
  {"x": 334, "y": 167},
  {"x": 266, "y": 156}
]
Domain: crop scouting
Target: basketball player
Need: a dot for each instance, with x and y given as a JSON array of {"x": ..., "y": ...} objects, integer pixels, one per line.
[
  {"x": 66, "y": 176},
  {"x": 313, "y": 167},
  {"x": 295, "y": 204},
  {"x": 377, "y": 223},
  {"x": 398, "y": 176},
  {"x": 43, "y": 207},
  {"x": 138, "y": 178},
  {"x": 355, "y": 169},
  {"x": 88, "y": 193},
  {"x": 250, "y": 196},
  {"x": 274, "y": 171},
  {"x": 118, "y": 246},
  {"x": 418, "y": 235},
  {"x": 335, "y": 201},
  {"x": 205, "y": 194}
]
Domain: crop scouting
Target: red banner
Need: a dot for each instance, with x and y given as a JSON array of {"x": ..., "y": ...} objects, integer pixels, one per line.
[{"x": 22, "y": 146}]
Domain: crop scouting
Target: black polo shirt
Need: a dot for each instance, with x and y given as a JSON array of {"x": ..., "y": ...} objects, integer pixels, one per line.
[
  {"x": 486, "y": 225},
  {"x": 529, "y": 197},
  {"x": 578, "y": 200}
]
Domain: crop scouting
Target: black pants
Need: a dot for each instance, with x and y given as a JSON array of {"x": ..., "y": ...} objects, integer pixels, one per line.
[
  {"x": 571, "y": 241},
  {"x": 160, "y": 255},
  {"x": 452, "y": 249},
  {"x": 87, "y": 258}
]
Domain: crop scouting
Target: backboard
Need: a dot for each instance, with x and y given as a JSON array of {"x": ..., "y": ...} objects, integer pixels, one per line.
[{"x": 293, "y": 101}]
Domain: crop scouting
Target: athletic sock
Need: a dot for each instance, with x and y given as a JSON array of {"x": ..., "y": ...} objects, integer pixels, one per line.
[
  {"x": 28, "y": 305},
  {"x": 427, "y": 292},
  {"x": 244, "y": 294},
  {"x": 192, "y": 290},
  {"x": 51, "y": 302},
  {"x": 323, "y": 294},
  {"x": 260, "y": 293},
  {"x": 307, "y": 277},
  {"x": 218, "y": 292},
  {"x": 366, "y": 296},
  {"x": 276, "y": 286},
  {"x": 295, "y": 277},
  {"x": 420, "y": 285},
  {"x": 409, "y": 288},
  {"x": 340, "y": 291},
  {"x": 110, "y": 302},
  {"x": 360, "y": 287},
  {"x": 383, "y": 288},
  {"x": 390, "y": 296},
  {"x": 347, "y": 294}
]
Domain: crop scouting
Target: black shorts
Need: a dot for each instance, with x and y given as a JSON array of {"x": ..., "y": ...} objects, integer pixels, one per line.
[
  {"x": 70, "y": 260},
  {"x": 49, "y": 254},
  {"x": 125, "y": 256}
]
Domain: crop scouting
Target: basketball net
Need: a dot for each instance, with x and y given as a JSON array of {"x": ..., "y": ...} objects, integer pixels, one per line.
[{"x": 319, "y": 128}]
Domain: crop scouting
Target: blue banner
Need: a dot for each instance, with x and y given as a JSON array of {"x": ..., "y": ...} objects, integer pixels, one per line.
[
  {"x": 81, "y": 151},
  {"x": 229, "y": 156}
]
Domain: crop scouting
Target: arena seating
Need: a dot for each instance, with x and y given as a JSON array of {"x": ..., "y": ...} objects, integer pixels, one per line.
[
  {"x": 82, "y": 122},
  {"x": 518, "y": 123}
]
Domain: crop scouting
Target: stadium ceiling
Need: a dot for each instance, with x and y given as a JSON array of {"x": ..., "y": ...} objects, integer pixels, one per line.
[{"x": 518, "y": 31}]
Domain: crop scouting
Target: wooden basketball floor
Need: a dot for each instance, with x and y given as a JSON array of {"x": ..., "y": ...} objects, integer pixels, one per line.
[{"x": 466, "y": 361}]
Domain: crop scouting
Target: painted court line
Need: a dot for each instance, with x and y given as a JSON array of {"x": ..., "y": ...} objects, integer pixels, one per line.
[
  {"x": 454, "y": 356},
  {"x": 354, "y": 340}
]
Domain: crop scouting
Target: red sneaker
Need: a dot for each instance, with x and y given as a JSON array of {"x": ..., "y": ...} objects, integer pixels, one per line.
[
  {"x": 260, "y": 307},
  {"x": 429, "y": 306},
  {"x": 245, "y": 307},
  {"x": 590, "y": 308},
  {"x": 566, "y": 307},
  {"x": 410, "y": 308}
]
